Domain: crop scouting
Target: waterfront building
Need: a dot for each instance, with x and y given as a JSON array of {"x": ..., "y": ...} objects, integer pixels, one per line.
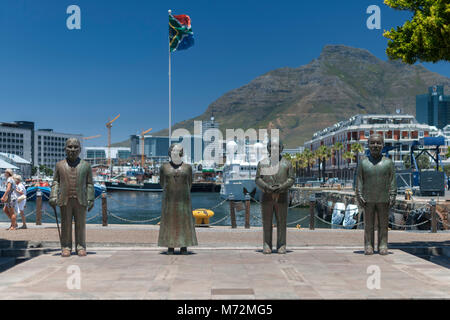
[
  {"x": 40, "y": 147},
  {"x": 399, "y": 131},
  {"x": 16, "y": 138},
  {"x": 156, "y": 147},
  {"x": 99, "y": 155},
  {"x": 49, "y": 147},
  {"x": 293, "y": 151},
  {"x": 433, "y": 108}
]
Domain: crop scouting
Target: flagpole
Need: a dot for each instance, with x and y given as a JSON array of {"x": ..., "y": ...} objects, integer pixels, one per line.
[{"x": 170, "y": 92}]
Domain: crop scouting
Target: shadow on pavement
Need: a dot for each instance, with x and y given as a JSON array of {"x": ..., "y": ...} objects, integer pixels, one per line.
[{"x": 437, "y": 252}]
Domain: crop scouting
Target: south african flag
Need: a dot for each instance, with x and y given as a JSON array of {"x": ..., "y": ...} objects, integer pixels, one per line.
[{"x": 181, "y": 36}]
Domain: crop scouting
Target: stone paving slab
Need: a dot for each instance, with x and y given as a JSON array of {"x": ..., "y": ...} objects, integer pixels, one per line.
[
  {"x": 221, "y": 236},
  {"x": 303, "y": 273}
]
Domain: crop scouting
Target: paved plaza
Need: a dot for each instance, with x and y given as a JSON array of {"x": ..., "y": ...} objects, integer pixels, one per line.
[
  {"x": 305, "y": 273},
  {"x": 229, "y": 264}
]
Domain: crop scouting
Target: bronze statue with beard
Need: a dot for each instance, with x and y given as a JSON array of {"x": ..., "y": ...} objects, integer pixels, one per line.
[
  {"x": 376, "y": 190},
  {"x": 177, "y": 228},
  {"x": 73, "y": 191},
  {"x": 274, "y": 176}
]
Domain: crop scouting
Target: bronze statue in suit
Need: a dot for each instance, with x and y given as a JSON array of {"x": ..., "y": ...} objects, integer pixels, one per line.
[
  {"x": 376, "y": 190},
  {"x": 73, "y": 191},
  {"x": 274, "y": 177}
]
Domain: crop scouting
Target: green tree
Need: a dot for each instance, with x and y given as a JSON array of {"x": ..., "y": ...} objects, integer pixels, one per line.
[
  {"x": 426, "y": 37},
  {"x": 357, "y": 149},
  {"x": 447, "y": 170},
  {"x": 310, "y": 159},
  {"x": 336, "y": 149},
  {"x": 423, "y": 162},
  {"x": 348, "y": 155}
]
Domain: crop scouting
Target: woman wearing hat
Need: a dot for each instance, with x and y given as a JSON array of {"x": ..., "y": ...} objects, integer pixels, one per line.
[{"x": 9, "y": 198}]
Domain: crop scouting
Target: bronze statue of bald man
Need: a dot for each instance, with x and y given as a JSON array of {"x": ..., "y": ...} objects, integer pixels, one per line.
[
  {"x": 274, "y": 176},
  {"x": 73, "y": 191},
  {"x": 376, "y": 190}
]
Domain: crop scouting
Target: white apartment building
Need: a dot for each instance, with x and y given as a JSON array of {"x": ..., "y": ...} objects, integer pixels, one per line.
[{"x": 399, "y": 131}]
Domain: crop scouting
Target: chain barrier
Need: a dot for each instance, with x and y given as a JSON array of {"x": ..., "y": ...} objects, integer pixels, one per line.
[
  {"x": 297, "y": 221},
  {"x": 256, "y": 217},
  {"x": 132, "y": 221},
  {"x": 218, "y": 205},
  {"x": 408, "y": 225},
  {"x": 216, "y": 222},
  {"x": 29, "y": 214}
]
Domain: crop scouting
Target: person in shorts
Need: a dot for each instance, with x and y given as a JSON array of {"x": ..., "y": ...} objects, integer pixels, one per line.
[
  {"x": 21, "y": 192},
  {"x": 9, "y": 199}
]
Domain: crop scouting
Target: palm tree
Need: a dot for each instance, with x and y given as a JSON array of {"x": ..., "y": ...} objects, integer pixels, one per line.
[
  {"x": 323, "y": 153},
  {"x": 310, "y": 159},
  {"x": 357, "y": 149},
  {"x": 293, "y": 161},
  {"x": 302, "y": 162},
  {"x": 337, "y": 148},
  {"x": 348, "y": 155}
]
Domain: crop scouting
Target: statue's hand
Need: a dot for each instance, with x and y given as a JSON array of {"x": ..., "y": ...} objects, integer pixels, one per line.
[
  {"x": 362, "y": 202},
  {"x": 52, "y": 202},
  {"x": 278, "y": 189},
  {"x": 90, "y": 205}
]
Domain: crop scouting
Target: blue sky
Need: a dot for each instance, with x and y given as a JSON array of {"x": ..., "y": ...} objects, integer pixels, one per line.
[{"x": 74, "y": 80}]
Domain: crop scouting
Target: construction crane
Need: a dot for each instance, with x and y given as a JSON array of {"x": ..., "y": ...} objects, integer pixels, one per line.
[
  {"x": 142, "y": 146},
  {"x": 109, "y": 126},
  {"x": 92, "y": 137}
]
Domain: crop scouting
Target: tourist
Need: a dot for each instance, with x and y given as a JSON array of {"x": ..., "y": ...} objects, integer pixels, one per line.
[
  {"x": 9, "y": 199},
  {"x": 21, "y": 196}
]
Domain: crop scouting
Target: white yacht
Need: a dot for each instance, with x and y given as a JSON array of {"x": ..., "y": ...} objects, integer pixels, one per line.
[{"x": 239, "y": 172}]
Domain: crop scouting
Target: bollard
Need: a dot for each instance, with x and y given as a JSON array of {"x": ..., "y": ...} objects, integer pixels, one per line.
[
  {"x": 232, "y": 212},
  {"x": 104, "y": 210},
  {"x": 247, "y": 211},
  {"x": 433, "y": 216},
  {"x": 38, "y": 207},
  {"x": 312, "y": 205}
]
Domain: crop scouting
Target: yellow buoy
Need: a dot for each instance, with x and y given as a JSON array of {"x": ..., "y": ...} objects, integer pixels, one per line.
[{"x": 202, "y": 216}]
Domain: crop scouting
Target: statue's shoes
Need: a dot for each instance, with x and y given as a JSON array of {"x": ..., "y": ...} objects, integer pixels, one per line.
[
  {"x": 183, "y": 250},
  {"x": 267, "y": 251},
  {"x": 170, "y": 251},
  {"x": 282, "y": 250},
  {"x": 65, "y": 253},
  {"x": 368, "y": 251},
  {"x": 383, "y": 251},
  {"x": 82, "y": 253}
]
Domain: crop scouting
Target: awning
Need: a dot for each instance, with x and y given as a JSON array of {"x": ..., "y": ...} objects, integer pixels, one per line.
[{"x": 6, "y": 165}]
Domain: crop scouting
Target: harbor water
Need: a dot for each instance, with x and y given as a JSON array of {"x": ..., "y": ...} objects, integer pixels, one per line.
[{"x": 129, "y": 207}]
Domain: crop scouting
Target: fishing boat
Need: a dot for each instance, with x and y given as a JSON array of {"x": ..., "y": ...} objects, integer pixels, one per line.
[{"x": 32, "y": 190}]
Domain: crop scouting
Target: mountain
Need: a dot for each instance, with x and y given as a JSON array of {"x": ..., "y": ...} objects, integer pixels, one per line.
[{"x": 341, "y": 82}]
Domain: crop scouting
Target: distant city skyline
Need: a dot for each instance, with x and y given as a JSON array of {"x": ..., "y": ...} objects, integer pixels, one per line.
[{"x": 74, "y": 80}]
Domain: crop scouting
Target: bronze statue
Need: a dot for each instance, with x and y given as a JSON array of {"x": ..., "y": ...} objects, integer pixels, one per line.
[
  {"x": 274, "y": 177},
  {"x": 73, "y": 191},
  {"x": 376, "y": 190},
  {"x": 177, "y": 228}
]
